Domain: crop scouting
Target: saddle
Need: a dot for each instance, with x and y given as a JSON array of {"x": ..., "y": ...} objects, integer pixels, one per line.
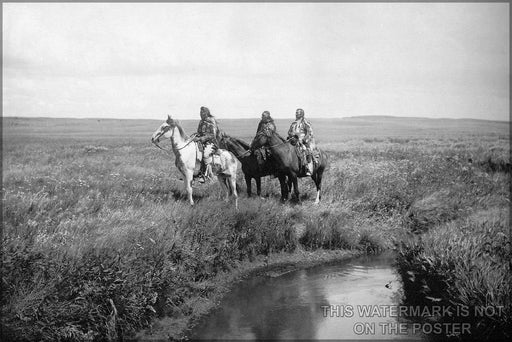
[
  {"x": 302, "y": 156},
  {"x": 200, "y": 146},
  {"x": 262, "y": 154},
  {"x": 215, "y": 160},
  {"x": 305, "y": 156}
]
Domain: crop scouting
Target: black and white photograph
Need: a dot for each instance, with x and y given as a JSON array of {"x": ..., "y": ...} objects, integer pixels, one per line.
[{"x": 186, "y": 171}]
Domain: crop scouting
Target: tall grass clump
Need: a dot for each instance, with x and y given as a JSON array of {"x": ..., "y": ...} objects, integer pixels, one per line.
[
  {"x": 336, "y": 227},
  {"x": 106, "y": 273},
  {"x": 464, "y": 263}
]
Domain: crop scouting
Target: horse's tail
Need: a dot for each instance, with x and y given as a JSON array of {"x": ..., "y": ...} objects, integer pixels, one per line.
[{"x": 324, "y": 159}]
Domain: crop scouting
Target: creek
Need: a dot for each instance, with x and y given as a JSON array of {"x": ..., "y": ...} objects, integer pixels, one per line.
[{"x": 352, "y": 299}]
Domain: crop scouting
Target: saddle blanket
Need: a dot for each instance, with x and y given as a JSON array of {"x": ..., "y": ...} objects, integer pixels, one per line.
[{"x": 222, "y": 162}]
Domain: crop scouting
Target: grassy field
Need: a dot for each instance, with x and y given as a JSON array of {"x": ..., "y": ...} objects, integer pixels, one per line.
[{"x": 98, "y": 240}]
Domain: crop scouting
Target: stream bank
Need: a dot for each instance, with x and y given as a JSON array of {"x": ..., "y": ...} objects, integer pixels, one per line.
[{"x": 272, "y": 266}]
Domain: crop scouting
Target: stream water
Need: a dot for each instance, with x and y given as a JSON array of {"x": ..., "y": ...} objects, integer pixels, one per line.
[{"x": 353, "y": 299}]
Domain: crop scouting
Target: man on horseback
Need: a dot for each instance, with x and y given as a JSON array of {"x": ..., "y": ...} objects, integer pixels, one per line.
[
  {"x": 301, "y": 129},
  {"x": 265, "y": 126},
  {"x": 266, "y": 123},
  {"x": 207, "y": 132}
]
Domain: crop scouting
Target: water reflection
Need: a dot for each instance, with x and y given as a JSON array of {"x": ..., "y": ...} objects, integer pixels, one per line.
[{"x": 310, "y": 304}]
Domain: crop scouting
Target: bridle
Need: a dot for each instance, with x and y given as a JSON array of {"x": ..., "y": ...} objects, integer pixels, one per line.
[{"x": 172, "y": 136}]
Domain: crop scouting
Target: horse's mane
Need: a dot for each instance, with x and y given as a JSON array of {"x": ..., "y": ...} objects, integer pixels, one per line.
[
  {"x": 238, "y": 141},
  {"x": 279, "y": 136},
  {"x": 184, "y": 135}
]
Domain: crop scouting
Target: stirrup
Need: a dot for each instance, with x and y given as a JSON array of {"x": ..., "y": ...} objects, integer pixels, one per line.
[{"x": 201, "y": 178}]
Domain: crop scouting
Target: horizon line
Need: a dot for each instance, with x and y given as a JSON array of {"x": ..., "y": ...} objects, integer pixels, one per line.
[{"x": 257, "y": 118}]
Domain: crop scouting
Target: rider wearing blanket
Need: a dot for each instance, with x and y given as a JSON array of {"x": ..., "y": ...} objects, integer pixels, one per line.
[
  {"x": 208, "y": 132},
  {"x": 267, "y": 126},
  {"x": 301, "y": 128},
  {"x": 266, "y": 123}
]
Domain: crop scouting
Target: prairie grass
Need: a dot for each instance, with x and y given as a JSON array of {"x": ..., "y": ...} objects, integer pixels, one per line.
[
  {"x": 98, "y": 239},
  {"x": 464, "y": 263}
]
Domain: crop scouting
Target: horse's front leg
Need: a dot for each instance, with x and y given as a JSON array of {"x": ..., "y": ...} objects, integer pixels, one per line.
[
  {"x": 317, "y": 177},
  {"x": 248, "y": 184},
  {"x": 233, "y": 190},
  {"x": 188, "y": 185},
  {"x": 295, "y": 186}
]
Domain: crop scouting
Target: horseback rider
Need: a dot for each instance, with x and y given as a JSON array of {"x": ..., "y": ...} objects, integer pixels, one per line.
[
  {"x": 301, "y": 129},
  {"x": 207, "y": 132},
  {"x": 266, "y": 123},
  {"x": 267, "y": 126}
]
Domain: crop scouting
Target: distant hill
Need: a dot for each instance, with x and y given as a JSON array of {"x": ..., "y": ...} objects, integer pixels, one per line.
[{"x": 411, "y": 118}]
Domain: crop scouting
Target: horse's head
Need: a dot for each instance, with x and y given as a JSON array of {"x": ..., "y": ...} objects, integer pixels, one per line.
[
  {"x": 261, "y": 139},
  {"x": 165, "y": 130}
]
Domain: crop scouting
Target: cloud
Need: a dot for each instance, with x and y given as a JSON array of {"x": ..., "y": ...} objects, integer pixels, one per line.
[{"x": 140, "y": 60}]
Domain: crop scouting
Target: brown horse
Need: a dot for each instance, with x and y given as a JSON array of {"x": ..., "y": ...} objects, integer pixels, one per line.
[
  {"x": 288, "y": 161},
  {"x": 250, "y": 166}
]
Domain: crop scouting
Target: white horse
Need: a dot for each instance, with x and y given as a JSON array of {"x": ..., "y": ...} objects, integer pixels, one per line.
[{"x": 188, "y": 158}]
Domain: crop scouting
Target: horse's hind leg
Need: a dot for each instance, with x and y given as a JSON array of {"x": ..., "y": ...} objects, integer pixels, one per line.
[
  {"x": 223, "y": 186},
  {"x": 318, "y": 182},
  {"x": 228, "y": 190},
  {"x": 233, "y": 190},
  {"x": 188, "y": 187},
  {"x": 258, "y": 185},
  {"x": 295, "y": 187}
]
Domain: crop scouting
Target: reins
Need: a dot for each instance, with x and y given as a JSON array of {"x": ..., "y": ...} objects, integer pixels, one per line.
[
  {"x": 175, "y": 148},
  {"x": 246, "y": 152},
  {"x": 278, "y": 144},
  {"x": 191, "y": 139},
  {"x": 163, "y": 149},
  {"x": 281, "y": 143},
  {"x": 249, "y": 151}
]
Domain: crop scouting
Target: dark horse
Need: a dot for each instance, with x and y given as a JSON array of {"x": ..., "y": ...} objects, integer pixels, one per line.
[
  {"x": 288, "y": 162},
  {"x": 250, "y": 166}
]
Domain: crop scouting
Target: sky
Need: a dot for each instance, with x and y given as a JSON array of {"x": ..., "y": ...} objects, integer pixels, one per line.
[{"x": 334, "y": 60}]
